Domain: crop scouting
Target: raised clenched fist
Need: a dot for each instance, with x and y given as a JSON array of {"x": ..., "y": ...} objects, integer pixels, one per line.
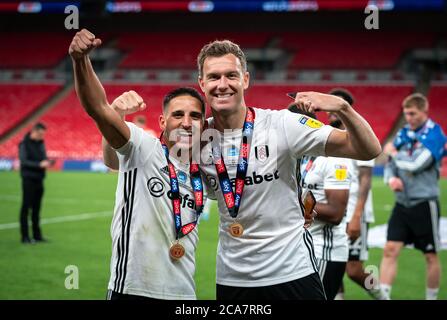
[
  {"x": 83, "y": 42},
  {"x": 127, "y": 103}
]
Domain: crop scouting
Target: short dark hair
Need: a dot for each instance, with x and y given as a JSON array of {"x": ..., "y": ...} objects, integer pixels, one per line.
[
  {"x": 39, "y": 126},
  {"x": 184, "y": 91},
  {"x": 344, "y": 94},
  {"x": 220, "y": 49},
  {"x": 293, "y": 107}
]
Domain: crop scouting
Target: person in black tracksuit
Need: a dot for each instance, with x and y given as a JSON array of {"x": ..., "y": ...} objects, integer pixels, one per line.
[{"x": 33, "y": 163}]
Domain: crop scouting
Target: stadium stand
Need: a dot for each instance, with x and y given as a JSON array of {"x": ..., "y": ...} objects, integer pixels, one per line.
[
  {"x": 438, "y": 104},
  {"x": 351, "y": 50},
  {"x": 175, "y": 50},
  {"x": 34, "y": 50},
  {"x": 438, "y": 112},
  {"x": 19, "y": 100}
]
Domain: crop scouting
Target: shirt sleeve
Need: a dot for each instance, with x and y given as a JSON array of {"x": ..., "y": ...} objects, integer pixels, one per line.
[
  {"x": 140, "y": 146},
  {"x": 304, "y": 135},
  {"x": 366, "y": 163},
  {"x": 416, "y": 164},
  {"x": 389, "y": 171},
  {"x": 337, "y": 174}
]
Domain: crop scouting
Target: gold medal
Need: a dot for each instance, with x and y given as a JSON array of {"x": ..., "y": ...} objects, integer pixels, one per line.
[
  {"x": 176, "y": 251},
  {"x": 236, "y": 229}
]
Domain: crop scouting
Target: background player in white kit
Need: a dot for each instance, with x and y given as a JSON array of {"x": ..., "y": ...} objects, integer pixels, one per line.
[
  {"x": 270, "y": 256},
  {"x": 159, "y": 197},
  {"x": 359, "y": 215},
  {"x": 328, "y": 178}
]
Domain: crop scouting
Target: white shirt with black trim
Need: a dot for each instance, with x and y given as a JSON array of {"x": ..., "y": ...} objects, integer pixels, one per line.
[
  {"x": 143, "y": 225},
  {"x": 328, "y": 173},
  {"x": 274, "y": 247},
  {"x": 368, "y": 213}
]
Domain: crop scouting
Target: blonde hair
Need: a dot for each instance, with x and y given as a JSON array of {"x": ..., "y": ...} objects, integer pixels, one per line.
[{"x": 417, "y": 100}]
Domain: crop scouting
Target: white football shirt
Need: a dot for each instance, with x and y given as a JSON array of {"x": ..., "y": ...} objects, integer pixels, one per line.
[
  {"x": 143, "y": 225},
  {"x": 368, "y": 213},
  {"x": 274, "y": 247},
  {"x": 327, "y": 173}
]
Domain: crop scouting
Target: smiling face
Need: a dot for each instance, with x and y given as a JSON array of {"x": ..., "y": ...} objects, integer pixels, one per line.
[
  {"x": 182, "y": 121},
  {"x": 223, "y": 81}
]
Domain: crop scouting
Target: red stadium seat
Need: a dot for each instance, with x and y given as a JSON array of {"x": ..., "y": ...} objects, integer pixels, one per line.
[{"x": 20, "y": 100}]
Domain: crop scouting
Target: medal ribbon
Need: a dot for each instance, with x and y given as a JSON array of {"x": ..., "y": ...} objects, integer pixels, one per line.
[
  {"x": 233, "y": 199},
  {"x": 197, "y": 186}
]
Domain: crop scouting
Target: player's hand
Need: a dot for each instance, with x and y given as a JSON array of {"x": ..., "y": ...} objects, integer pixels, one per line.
[
  {"x": 309, "y": 218},
  {"x": 83, "y": 42},
  {"x": 396, "y": 184},
  {"x": 389, "y": 149},
  {"x": 309, "y": 205},
  {"x": 127, "y": 103},
  {"x": 316, "y": 101},
  {"x": 353, "y": 228}
]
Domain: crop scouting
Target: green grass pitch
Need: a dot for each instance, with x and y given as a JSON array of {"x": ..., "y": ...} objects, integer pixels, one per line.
[{"x": 77, "y": 208}]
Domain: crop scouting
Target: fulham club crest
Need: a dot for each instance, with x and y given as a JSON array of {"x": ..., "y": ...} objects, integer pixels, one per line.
[{"x": 262, "y": 153}]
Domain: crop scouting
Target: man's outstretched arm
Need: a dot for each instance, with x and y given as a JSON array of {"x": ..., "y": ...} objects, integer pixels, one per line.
[
  {"x": 91, "y": 93},
  {"x": 358, "y": 141}
]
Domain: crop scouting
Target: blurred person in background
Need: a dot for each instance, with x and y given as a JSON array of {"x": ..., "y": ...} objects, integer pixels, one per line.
[
  {"x": 412, "y": 172},
  {"x": 33, "y": 164},
  {"x": 358, "y": 215}
]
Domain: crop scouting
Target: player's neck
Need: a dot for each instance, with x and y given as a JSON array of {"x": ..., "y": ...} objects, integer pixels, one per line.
[{"x": 230, "y": 120}]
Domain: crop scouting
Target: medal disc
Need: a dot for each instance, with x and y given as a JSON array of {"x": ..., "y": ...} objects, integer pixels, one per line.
[
  {"x": 176, "y": 251},
  {"x": 236, "y": 229}
]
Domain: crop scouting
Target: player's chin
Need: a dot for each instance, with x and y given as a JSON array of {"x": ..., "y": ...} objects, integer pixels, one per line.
[{"x": 224, "y": 106}]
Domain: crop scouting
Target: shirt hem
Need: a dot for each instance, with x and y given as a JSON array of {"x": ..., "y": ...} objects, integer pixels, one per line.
[
  {"x": 263, "y": 283},
  {"x": 156, "y": 295}
]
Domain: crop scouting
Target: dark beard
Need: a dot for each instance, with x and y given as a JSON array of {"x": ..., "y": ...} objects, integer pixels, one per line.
[{"x": 336, "y": 123}]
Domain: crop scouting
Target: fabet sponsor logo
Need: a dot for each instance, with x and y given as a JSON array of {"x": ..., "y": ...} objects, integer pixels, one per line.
[
  {"x": 258, "y": 178},
  {"x": 185, "y": 200}
]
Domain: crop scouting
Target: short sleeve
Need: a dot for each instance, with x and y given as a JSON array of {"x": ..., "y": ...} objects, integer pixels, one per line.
[
  {"x": 367, "y": 163},
  {"x": 140, "y": 146},
  {"x": 337, "y": 174},
  {"x": 305, "y": 136}
]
